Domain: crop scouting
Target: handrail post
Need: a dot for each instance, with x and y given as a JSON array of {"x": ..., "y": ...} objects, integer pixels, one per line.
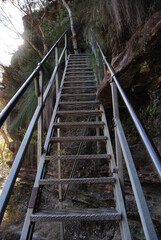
[
  {"x": 56, "y": 65},
  {"x": 40, "y": 120},
  {"x": 117, "y": 142},
  {"x": 66, "y": 47},
  {"x": 58, "y": 144}
]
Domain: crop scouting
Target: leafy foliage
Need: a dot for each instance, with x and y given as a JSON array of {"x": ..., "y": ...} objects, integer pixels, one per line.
[
  {"x": 108, "y": 21},
  {"x": 25, "y": 60}
]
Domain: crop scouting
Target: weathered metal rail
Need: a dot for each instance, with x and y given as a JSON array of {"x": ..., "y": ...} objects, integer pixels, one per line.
[
  {"x": 153, "y": 152},
  {"x": 36, "y": 75},
  {"x": 99, "y": 124},
  {"x": 122, "y": 147},
  {"x": 84, "y": 114}
]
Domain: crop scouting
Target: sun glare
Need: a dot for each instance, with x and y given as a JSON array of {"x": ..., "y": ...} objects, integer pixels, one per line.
[{"x": 11, "y": 26}]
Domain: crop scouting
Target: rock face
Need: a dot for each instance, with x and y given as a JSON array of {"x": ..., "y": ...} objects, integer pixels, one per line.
[
  {"x": 138, "y": 64},
  {"x": 137, "y": 67}
]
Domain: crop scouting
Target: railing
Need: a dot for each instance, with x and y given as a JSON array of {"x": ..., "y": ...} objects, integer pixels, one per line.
[
  {"x": 122, "y": 147},
  {"x": 37, "y": 76}
]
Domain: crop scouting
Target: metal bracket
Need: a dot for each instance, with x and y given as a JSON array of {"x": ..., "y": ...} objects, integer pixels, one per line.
[{"x": 115, "y": 170}]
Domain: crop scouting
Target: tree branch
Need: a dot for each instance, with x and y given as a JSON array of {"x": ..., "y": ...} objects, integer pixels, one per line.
[{"x": 72, "y": 27}]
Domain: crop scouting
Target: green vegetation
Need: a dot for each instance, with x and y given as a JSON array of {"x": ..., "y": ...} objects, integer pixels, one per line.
[
  {"x": 112, "y": 23},
  {"x": 144, "y": 67}
]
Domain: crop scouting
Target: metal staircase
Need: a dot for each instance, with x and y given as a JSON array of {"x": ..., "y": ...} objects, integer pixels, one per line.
[
  {"x": 78, "y": 121},
  {"x": 75, "y": 103}
]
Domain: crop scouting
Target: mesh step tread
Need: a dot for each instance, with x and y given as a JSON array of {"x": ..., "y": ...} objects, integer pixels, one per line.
[
  {"x": 79, "y": 72},
  {"x": 78, "y": 82},
  {"x": 76, "y": 215},
  {"x": 79, "y": 54},
  {"x": 79, "y": 157},
  {"x": 87, "y": 87},
  {"x": 86, "y": 74},
  {"x": 79, "y": 61},
  {"x": 52, "y": 181},
  {"x": 73, "y": 69},
  {"x": 78, "y": 64},
  {"x": 83, "y": 59},
  {"x": 78, "y": 139},
  {"x": 78, "y": 95},
  {"x": 79, "y": 68},
  {"x": 78, "y": 102},
  {"x": 79, "y": 112},
  {"x": 79, "y": 77},
  {"x": 78, "y": 58},
  {"x": 78, "y": 124}
]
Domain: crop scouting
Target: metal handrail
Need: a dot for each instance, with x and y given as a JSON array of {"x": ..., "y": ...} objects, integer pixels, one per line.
[
  {"x": 8, "y": 187},
  {"x": 11, "y": 104},
  {"x": 153, "y": 152},
  {"x": 122, "y": 148}
]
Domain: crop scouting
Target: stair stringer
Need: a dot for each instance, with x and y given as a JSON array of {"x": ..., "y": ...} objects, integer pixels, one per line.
[
  {"x": 120, "y": 205},
  {"x": 28, "y": 227}
]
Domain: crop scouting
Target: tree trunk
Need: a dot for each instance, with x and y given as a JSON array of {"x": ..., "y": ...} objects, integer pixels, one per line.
[
  {"x": 42, "y": 33},
  {"x": 72, "y": 27}
]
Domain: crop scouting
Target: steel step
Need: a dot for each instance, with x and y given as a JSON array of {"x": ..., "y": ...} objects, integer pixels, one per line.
[
  {"x": 78, "y": 57},
  {"x": 79, "y": 73},
  {"x": 78, "y": 64},
  {"x": 78, "y": 82},
  {"x": 79, "y": 54},
  {"x": 79, "y": 157},
  {"x": 87, "y": 87},
  {"x": 79, "y": 139},
  {"x": 56, "y": 181},
  {"x": 80, "y": 77},
  {"x": 96, "y": 102},
  {"x": 78, "y": 95},
  {"x": 78, "y": 124},
  {"x": 76, "y": 215},
  {"x": 78, "y": 68},
  {"x": 79, "y": 112},
  {"x": 83, "y": 59}
]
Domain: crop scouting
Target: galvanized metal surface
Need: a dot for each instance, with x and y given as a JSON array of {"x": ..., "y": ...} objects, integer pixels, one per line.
[
  {"x": 79, "y": 112},
  {"x": 6, "y": 192},
  {"x": 77, "y": 180},
  {"x": 121, "y": 141},
  {"x": 40, "y": 120},
  {"x": 77, "y": 215},
  {"x": 120, "y": 205},
  {"x": 116, "y": 167},
  {"x": 136, "y": 186},
  {"x": 80, "y": 157},
  {"x": 153, "y": 152},
  {"x": 117, "y": 143},
  {"x": 78, "y": 102},
  {"x": 78, "y": 124},
  {"x": 9, "y": 184},
  {"x": 28, "y": 227},
  {"x": 78, "y": 139}
]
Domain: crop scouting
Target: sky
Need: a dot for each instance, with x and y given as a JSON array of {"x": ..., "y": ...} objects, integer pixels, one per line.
[{"x": 9, "y": 40}]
